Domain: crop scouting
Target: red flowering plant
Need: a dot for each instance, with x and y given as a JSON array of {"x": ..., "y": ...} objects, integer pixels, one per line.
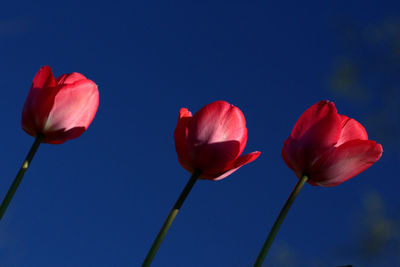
[
  {"x": 209, "y": 145},
  {"x": 325, "y": 149},
  {"x": 56, "y": 110}
]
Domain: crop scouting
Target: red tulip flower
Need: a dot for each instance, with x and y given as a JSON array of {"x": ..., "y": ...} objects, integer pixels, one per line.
[
  {"x": 59, "y": 109},
  {"x": 327, "y": 147},
  {"x": 212, "y": 140},
  {"x": 56, "y": 110},
  {"x": 209, "y": 145}
]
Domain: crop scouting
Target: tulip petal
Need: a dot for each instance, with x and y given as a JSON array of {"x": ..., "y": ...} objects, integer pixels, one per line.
[
  {"x": 351, "y": 130},
  {"x": 218, "y": 122},
  {"x": 318, "y": 126},
  {"x": 180, "y": 136},
  {"x": 39, "y": 101},
  {"x": 60, "y": 136},
  {"x": 344, "y": 162},
  {"x": 316, "y": 131},
  {"x": 215, "y": 157},
  {"x": 44, "y": 78},
  {"x": 75, "y": 106},
  {"x": 298, "y": 158},
  {"x": 239, "y": 162}
]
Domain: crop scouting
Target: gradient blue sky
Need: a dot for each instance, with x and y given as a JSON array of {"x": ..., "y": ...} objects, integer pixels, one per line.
[{"x": 100, "y": 200}]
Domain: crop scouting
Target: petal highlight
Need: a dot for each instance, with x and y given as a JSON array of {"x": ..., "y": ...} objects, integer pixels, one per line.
[
  {"x": 218, "y": 122},
  {"x": 75, "y": 105},
  {"x": 351, "y": 130}
]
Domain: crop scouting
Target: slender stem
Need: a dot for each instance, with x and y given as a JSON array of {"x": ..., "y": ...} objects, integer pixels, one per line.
[
  {"x": 17, "y": 180},
  {"x": 279, "y": 220},
  {"x": 171, "y": 216}
]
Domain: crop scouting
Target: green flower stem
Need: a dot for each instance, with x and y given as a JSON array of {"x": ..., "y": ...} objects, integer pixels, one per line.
[
  {"x": 279, "y": 220},
  {"x": 13, "y": 188},
  {"x": 171, "y": 216}
]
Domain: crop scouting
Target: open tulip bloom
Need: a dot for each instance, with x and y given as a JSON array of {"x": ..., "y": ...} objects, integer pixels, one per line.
[
  {"x": 56, "y": 110},
  {"x": 209, "y": 145},
  {"x": 324, "y": 149}
]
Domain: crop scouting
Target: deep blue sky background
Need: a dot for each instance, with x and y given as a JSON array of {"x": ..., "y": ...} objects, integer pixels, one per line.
[{"x": 100, "y": 200}]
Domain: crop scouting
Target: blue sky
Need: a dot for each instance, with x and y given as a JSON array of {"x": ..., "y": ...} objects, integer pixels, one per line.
[{"x": 100, "y": 200}]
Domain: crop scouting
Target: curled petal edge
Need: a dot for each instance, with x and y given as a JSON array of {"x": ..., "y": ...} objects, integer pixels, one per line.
[
  {"x": 344, "y": 162},
  {"x": 239, "y": 162}
]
